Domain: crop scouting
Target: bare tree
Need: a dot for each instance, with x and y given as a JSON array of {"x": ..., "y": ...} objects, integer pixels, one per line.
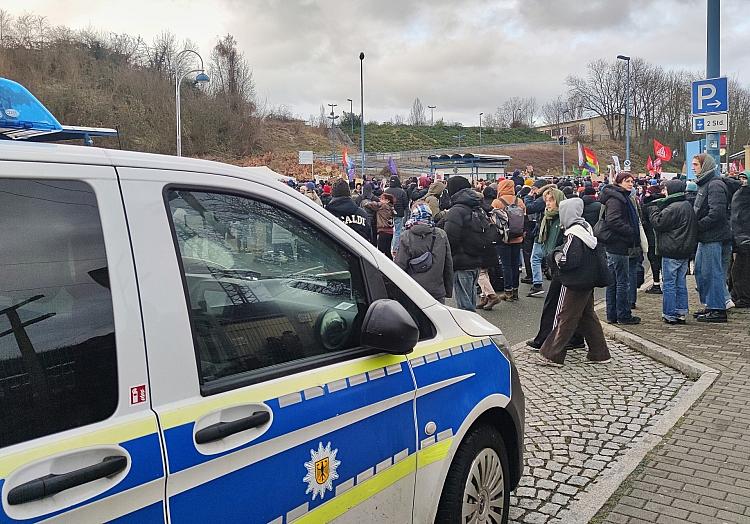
[
  {"x": 417, "y": 115},
  {"x": 602, "y": 92},
  {"x": 6, "y": 22},
  {"x": 230, "y": 74}
]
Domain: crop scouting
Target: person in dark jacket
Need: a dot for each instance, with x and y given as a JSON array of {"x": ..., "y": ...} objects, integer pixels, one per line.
[
  {"x": 401, "y": 206},
  {"x": 676, "y": 237},
  {"x": 343, "y": 207},
  {"x": 691, "y": 191},
  {"x": 488, "y": 298},
  {"x": 620, "y": 234},
  {"x": 517, "y": 178},
  {"x": 535, "y": 207},
  {"x": 457, "y": 225},
  {"x": 653, "y": 193},
  {"x": 575, "y": 310},
  {"x": 740, "y": 221},
  {"x": 383, "y": 209},
  {"x": 711, "y": 208},
  {"x": 420, "y": 236},
  {"x": 591, "y": 206},
  {"x": 365, "y": 198},
  {"x": 326, "y": 196}
]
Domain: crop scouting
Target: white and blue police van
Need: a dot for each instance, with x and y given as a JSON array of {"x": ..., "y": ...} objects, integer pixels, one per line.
[{"x": 188, "y": 341}]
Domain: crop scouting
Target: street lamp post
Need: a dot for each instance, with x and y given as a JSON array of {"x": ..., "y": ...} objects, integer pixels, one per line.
[
  {"x": 201, "y": 77},
  {"x": 514, "y": 114},
  {"x": 333, "y": 118},
  {"x": 362, "y": 111},
  {"x": 432, "y": 114},
  {"x": 351, "y": 113},
  {"x": 480, "y": 129},
  {"x": 459, "y": 136},
  {"x": 627, "y": 108}
]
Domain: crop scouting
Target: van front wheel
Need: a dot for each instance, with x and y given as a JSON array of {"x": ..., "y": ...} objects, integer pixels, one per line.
[{"x": 477, "y": 488}]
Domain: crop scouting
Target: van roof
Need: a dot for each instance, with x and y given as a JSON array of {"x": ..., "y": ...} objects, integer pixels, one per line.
[{"x": 74, "y": 154}]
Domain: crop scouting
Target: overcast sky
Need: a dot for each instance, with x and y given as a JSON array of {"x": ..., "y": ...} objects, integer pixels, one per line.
[{"x": 463, "y": 56}]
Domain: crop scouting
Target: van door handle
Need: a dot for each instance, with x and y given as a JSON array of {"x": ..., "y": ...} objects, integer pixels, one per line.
[
  {"x": 52, "y": 484},
  {"x": 223, "y": 429}
]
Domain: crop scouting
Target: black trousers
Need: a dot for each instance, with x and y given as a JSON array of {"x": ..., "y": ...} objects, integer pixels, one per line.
[
  {"x": 547, "y": 320},
  {"x": 384, "y": 244},
  {"x": 526, "y": 247},
  {"x": 740, "y": 279}
]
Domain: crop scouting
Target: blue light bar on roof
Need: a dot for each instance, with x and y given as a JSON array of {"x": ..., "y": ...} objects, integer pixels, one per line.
[{"x": 22, "y": 116}]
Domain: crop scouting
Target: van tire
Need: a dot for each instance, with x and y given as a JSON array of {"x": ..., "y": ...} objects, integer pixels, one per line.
[{"x": 482, "y": 446}]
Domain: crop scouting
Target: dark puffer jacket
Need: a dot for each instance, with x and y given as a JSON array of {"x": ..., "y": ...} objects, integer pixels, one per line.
[
  {"x": 415, "y": 241},
  {"x": 456, "y": 224},
  {"x": 741, "y": 219},
  {"x": 351, "y": 214},
  {"x": 619, "y": 233},
  {"x": 675, "y": 226},
  {"x": 591, "y": 209},
  {"x": 711, "y": 208},
  {"x": 401, "y": 204}
]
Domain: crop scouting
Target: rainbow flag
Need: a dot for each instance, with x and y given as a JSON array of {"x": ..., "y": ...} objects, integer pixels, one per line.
[
  {"x": 348, "y": 164},
  {"x": 587, "y": 159}
]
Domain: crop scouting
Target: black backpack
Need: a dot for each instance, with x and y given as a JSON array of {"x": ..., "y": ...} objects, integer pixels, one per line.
[
  {"x": 444, "y": 202},
  {"x": 482, "y": 234}
]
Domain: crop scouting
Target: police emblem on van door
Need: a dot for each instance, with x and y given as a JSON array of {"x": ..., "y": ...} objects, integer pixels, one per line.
[{"x": 321, "y": 470}]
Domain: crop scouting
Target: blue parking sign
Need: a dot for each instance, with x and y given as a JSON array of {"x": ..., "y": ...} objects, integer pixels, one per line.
[
  {"x": 710, "y": 96},
  {"x": 700, "y": 124}
]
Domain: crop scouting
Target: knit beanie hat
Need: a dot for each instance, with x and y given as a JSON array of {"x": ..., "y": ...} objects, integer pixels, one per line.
[
  {"x": 540, "y": 183},
  {"x": 528, "y": 182},
  {"x": 675, "y": 186},
  {"x": 456, "y": 184},
  {"x": 310, "y": 186},
  {"x": 326, "y": 189},
  {"x": 691, "y": 187},
  {"x": 341, "y": 188},
  {"x": 589, "y": 190}
]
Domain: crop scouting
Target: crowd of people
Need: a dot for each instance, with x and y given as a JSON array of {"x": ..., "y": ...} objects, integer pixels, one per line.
[{"x": 471, "y": 240}]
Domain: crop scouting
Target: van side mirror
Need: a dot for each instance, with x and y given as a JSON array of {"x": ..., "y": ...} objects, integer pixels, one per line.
[{"x": 388, "y": 327}]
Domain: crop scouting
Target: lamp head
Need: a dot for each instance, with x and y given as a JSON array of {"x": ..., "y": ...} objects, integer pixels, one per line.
[
  {"x": 201, "y": 78},
  {"x": 361, "y": 56},
  {"x": 623, "y": 57}
]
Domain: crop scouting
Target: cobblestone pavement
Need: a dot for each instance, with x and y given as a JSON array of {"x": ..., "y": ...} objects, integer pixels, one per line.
[
  {"x": 582, "y": 418},
  {"x": 701, "y": 471}
]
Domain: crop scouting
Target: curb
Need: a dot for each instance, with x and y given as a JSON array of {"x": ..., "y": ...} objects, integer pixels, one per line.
[{"x": 582, "y": 510}]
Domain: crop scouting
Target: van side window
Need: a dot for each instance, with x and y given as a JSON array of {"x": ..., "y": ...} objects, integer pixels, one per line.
[
  {"x": 264, "y": 288},
  {"x": 58, "y": 366}
]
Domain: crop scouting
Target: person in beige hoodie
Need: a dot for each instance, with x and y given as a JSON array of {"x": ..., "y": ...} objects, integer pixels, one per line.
[{"x": 433, "y": 198}]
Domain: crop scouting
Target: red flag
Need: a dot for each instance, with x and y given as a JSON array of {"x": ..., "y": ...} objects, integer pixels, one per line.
[
  {"x": 662, "y": 152},
  {"x": 649, "y": 164},
  {"x": 657, "y": 165}
]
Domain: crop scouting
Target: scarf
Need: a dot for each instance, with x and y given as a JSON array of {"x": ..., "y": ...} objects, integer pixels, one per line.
[
  {"x": 550, "y": 215},
  {"x": 583, "y": 231},
  {"x": 420, "y": 214}
]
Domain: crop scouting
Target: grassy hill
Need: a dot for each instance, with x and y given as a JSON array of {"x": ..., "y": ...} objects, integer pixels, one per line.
[{"x": 384, "y": 138}]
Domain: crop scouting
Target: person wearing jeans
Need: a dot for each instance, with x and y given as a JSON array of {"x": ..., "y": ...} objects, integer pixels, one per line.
[
  {"x": 465, "y": 288},
  {"x": 620, "y": 233},
  {"x": 676, "y": 236},
  {"x": 711, "y": 208},
  {"x": 510, "y": 251}
]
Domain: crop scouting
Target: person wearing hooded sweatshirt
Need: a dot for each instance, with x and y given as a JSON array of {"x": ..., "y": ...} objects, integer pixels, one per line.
[
  {"x": 419, "y": 237},
  {"x": 653, "y": 193},
  {"x": 365, "y": 198},
  {"x": 433, "y": 199},
  {"x": 547, "y": 236},
  {"x": 711, "y": 208},
  {"x": 620, "y": 234},
  {"x": 509, "y": 253},
  {"x": 676, "y": 236},
  {"x": 467, "y": 256},
  {"x": 343, "y": 207},
  {"x": 740, "y": 221},
  {"x": 401, "y": 207},
  {"x": 575, "y": 310}
]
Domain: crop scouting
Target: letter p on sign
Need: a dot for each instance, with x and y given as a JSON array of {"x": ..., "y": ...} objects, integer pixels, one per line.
[{"x": 705, "y": 92}]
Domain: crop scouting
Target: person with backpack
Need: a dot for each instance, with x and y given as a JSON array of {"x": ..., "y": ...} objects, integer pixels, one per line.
[
  {"x": 509, "y": 212},
  {"x": 581, "y": 265},
  {"x": 432, "y": 198},
  {"x": 425, "y": 253},
  {"x": 467, "y": 227},
  {"x": 490, "y": 266},
  {"x": 712, "y": 209}
]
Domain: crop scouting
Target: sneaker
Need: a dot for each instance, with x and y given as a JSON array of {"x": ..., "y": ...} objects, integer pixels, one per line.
[
  {"x": 543, "y": 361},
  {"x": 536, "y": 291},
  {"x": 714, "y": 316},
  {"x": 700, "y": 312},
  {"x": 630, "y": 321},
  {"x": 598, "y": 361},
  {"x": 654, "y": 290},
  {"x": 681, "y": 320},
  {"x": 670, "y": 321},
  {"x": 730, "y": 304}
]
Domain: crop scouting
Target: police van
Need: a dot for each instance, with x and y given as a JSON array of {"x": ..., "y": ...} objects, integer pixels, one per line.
[{"x": 188, "y": 341}]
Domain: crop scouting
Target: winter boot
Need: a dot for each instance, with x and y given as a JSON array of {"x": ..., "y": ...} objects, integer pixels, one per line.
[
  {"x": 514, "y": 295},
  {"x": 482, "y": 301},
  {"x": 492, "y": 300}
]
